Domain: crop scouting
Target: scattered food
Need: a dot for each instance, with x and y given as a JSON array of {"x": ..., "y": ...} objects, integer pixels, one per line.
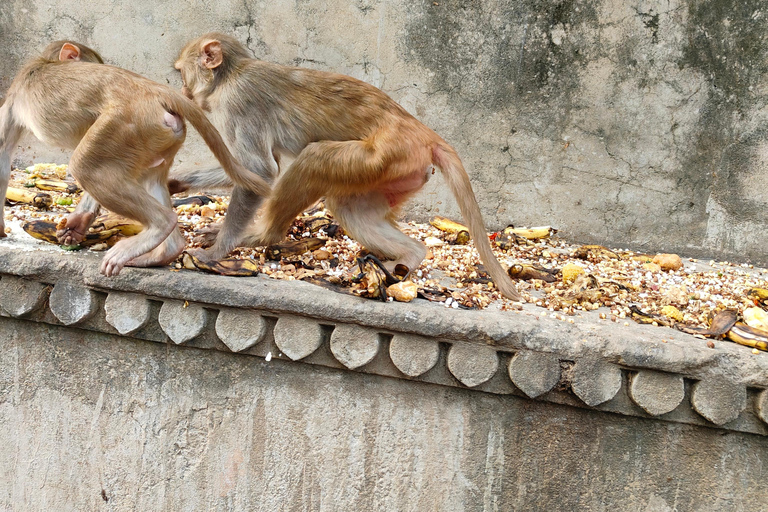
[{"x": 562, "y": 279}]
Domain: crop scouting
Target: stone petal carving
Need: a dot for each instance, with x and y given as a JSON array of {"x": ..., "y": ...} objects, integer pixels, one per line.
[
  {"x": 19, "y": 297},
  {"x": 472, "y": 364},
  {"x": 595, "y": 381},
  {"x": 180, "y": 323},
  {"x": 297, "y": 337},
  {"x": 762, "y": 405},
  {"x": 240, "y": 329},
  {"x": 127, "y": 312},
  {"x": 719, "y": 400},
  {"x": 413, "y": 355},
  {"x": 534, "y": 373},
  {"x": 71, "y": 303},
  {"x": 656, "y": 392},
  {"x": 353, "y": 345}
]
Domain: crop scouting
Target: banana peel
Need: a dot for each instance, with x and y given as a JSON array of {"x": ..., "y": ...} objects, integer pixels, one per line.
[
  {"x": 54, "y": 185},
  {"x": 535, "y": 233},
  {"x": 111, "y": 221},
  {"x": 46, "y": 231},
  {"x": 193, "y": 200},
  {"x": 759, "y": 296},
  {"x": 528, "y": 272},
  {"x": 226, "y": 267},
  {"x": 457, "y": 234},
  {"x": 743, "y": 334},
  {"x": 595, "y": 253},
  {"x": 37, "y": 199},
  {"x": 371, "y": 282},
  {"x": 293, "y": 248}
]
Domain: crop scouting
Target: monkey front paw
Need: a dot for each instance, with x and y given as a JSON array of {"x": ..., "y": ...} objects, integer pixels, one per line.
[{"x": 72, "y": 230}]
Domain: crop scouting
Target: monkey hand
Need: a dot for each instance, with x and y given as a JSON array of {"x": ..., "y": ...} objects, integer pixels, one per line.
[
  {"x": 73, "y": 229},
  {"x": 206, "y": 255}
]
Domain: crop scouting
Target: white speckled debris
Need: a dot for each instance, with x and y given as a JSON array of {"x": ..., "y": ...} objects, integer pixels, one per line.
[
  {"x": 413, "y": 355},
  {"x": 595, "y": 381},
  {"x": 19, "y": 296},
  {"x": 181, "y": 323},
  {"x": 127, "y": 312},
  {"x": 71, "y": 303},
  {"x": 719, "y": 400},
  {"x": 656, "y": 392},
  {"x": 297, "y": 337},
  {"x": 240, "y": 329},
  {"x": 472, "y": 364},
  {"x": 353, "y": 345},
  {"x": 534, "y": 373}
]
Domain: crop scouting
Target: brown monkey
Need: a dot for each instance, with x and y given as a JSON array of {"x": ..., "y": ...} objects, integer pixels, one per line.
[
  {"x": 348, "y": 141},
  {"x": 125, "y": 131}
]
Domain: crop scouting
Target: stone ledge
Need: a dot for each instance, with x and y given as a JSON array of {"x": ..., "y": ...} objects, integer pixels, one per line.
[{"x": 589, "y": 364}]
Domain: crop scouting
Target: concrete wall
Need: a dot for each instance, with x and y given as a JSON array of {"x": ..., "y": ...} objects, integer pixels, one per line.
[
  {"x": 95, "y": 422},
  {"x": 635, "y": 123},
  {"x": 178, "y": 391}
]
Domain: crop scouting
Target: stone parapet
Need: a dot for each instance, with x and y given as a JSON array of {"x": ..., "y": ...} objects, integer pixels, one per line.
[{"x": 633, "y": 370}]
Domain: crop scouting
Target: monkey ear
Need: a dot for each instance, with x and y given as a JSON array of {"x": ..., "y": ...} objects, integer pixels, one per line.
[
  {"x": 212, "y": 54},
  {"x": 69, "y": 52}
]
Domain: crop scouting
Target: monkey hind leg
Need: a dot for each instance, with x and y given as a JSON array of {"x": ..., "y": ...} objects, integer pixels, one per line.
[{"x": 367, "y": 218}]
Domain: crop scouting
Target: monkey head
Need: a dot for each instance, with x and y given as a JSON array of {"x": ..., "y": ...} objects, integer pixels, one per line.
[
  {"x": 70, "y": 50},
  {"x": 205, "y": 62}
]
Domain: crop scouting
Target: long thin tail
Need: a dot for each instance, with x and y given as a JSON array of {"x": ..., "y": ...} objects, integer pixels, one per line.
[
  {"x": 446, "y": 158},
  {"x": 237, "y": 173}
]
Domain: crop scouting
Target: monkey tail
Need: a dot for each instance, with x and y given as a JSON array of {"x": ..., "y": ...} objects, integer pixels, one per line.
[
  {"x": 235, "y": 170},
  {"x": 446, "y": 158}
]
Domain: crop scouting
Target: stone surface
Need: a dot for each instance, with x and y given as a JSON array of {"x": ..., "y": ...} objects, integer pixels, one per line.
[
  {"x": 181, "y": 320},
  {"x": 240, "y": 329},
  {"x": 413, "y": 355},
  {"x": 595, "y": 381},
  {"x": 657, "y": 393},
  {"x": 72, "y": 303},
  {"x": 19, "y": 297},
  {"x": 90, "y": 421},
  {"x": 719, "y": 400},
  {"x": 297, "y": 337},
  {"x": 353, "y": 345},
  {"x": 534, "y": 373},
  {"x": 472, "y": 364},
  {"x": 762, "y": 406},
  {"x": 127, "y": 312}
]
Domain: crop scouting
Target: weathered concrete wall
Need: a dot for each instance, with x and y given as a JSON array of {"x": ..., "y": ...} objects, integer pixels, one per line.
[
  {"x": 160, "y": 390},
  {"x": 95, "y": 422},
  {"x": 633, "y": 123}
]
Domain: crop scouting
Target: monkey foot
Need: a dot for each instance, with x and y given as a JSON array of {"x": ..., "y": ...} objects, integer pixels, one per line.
[
  {"x": 74, "y": 228},
  {"x": 210, "y": 254},
  {"x": 206, "y": 236}
]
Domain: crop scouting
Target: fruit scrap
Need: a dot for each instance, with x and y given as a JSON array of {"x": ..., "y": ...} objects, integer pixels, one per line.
[
  {"x": 46, "y": 231},
  {"x": 404, "y": 291},
  {"x": 293, "y": 248},
  {"x": 528, "y": 272},
  {"x": 594, "y": 253},
  {"x": 54, "y": 185},
  {"x": 756, "y": 317},
  {"x": 36, "y": 199},
  {"x": 668, "y": 261},
  {"x": 371, "y": 281},
  {"x": 758, "y": 295},
  {"x": 113, "y": 221},
  {"x": 226, "y": 267},
  {"x": 457, "y": 234},
  {"x": 570, "y": 272},
  {"x": 193, "y": 200},
  {"x": 530, "y": 233}
]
